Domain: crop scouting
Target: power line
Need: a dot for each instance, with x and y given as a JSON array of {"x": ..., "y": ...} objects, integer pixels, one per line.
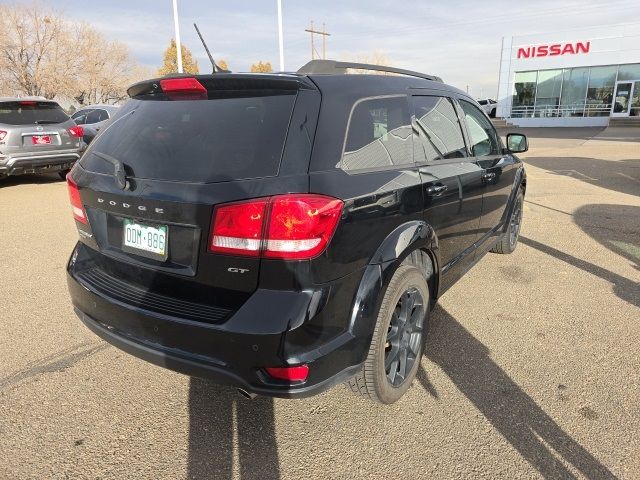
[{"x": 444, "y": 25}]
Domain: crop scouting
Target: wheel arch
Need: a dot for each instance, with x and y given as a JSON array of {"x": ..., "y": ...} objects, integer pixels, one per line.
[
  {"x": 520, "y": 182},
  {"x": 414, "y": 242}
]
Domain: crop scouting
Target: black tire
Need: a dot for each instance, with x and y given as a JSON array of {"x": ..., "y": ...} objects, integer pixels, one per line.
[
  {"x": 374, "y": 380},
  {"x": 492, "y": 114},
  {"x": 63, "y": 173},
  {"x": 509, "y": 240}
]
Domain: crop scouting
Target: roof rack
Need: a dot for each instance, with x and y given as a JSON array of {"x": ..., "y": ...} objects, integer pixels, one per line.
[{"x": 333, "y": 67}]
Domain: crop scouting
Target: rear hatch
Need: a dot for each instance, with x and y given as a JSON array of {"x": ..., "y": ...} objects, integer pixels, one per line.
[
  {"x": 184, "y": 152},
  {"x": 36, "y": 127}
]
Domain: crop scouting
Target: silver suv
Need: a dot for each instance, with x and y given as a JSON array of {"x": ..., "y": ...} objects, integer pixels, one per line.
[{"x": 37, "y": 136}]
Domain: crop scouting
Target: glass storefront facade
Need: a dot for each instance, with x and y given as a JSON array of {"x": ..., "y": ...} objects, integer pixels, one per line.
[{"x": 576, "y": 92}]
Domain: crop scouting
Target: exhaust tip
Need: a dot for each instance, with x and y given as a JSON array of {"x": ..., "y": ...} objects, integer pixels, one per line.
[{"x": 246, "y": 394}]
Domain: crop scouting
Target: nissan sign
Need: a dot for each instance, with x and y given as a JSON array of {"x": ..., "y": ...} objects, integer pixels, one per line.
[{"x": 554, "y": 49}]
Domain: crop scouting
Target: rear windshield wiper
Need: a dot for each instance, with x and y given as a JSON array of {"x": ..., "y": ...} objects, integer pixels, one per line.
[{"x": 118, "y": 170}]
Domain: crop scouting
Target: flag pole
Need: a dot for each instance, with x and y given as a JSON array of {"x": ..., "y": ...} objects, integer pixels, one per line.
[{"x": 177, "y": 28}]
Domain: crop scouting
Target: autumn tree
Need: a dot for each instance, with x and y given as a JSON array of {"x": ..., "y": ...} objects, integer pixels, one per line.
[
  {"x": 170, "y": 63},
  {"x": 222, "y": 63},
  {"x": 261, "y": 67}
]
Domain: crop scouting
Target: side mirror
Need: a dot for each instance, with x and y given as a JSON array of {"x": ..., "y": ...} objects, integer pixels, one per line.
[{"x": 517, "y": 143}]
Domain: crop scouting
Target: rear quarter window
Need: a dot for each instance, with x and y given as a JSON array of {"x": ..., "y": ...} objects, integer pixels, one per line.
[
  {"x": 378, "y": 135},
  {"x": 238, "y": 136}
]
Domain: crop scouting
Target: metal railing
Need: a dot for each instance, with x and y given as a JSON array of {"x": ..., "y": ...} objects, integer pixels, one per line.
[{"x": 550, "y": 111}]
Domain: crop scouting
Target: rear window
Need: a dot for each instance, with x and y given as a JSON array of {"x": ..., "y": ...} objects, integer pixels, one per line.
[
  {"x": 216, "y": 140},
  {"x": 30, "y": 113}
]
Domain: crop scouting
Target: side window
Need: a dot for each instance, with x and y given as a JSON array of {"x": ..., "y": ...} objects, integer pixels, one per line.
[
  {"x": 482, "y": 102},
  {"x": 379, "y": 135},
  {"x": 102, "y": 115},
  {"x": 94, "y": 116},
  {"x": 484, "y": 140},
  {"x": 80, "y": 117},
  {"x": 438, "y": 129}
]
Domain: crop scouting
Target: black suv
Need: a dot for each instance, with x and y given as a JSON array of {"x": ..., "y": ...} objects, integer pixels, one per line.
[{"x": 286, "y": 232}]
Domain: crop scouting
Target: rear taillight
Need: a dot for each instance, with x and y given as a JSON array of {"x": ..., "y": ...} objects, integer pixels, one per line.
[
  {"x": 300, "y": 226},
  {"x": 76, "y": 131},
  {"x": 76, "y": 203},
  {"x": 290, "y": 227},
  {"x": 298, "y": 373},
  {"x": 2, "y": 134},
  {"x": 237, "y": 228},
  {"x": 183, "y": 89}
]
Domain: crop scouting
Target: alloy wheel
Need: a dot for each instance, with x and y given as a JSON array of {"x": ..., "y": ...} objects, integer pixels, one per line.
[
  {"x": 404, "y": 336},
  {"x": 516, "y": 220}
]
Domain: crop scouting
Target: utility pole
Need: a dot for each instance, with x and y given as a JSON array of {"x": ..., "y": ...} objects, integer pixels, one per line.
[
  {"x": 176, "y": 25},
  {"x": 324, "y": 34}
]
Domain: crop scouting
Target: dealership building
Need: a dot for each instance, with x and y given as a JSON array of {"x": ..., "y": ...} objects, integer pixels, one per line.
[{"x": 576, "y": 78}]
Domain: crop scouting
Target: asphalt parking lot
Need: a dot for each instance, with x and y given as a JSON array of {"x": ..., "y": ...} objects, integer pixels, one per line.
[{"x": 532, "y": 366}]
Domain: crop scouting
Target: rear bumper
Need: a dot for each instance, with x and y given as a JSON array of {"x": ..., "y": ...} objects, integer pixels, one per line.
[
  {"x": 235, "y": 351},
  {"x": 41, "y": 163}
]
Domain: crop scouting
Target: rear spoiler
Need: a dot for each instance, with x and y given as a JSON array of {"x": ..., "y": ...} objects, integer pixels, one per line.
[{"x": 228, "y": 81}]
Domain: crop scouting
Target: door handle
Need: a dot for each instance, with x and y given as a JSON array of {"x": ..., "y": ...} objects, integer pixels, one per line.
[
  {"x": 489, "y": 176},
  {"x": 436, "y": 189}
]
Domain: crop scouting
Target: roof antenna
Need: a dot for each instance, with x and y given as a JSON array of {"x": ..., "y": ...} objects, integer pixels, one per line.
[{"x": 216, "y": 68}]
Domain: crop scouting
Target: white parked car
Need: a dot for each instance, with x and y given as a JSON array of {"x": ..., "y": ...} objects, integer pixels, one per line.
[{"x": 489, "y": 106}]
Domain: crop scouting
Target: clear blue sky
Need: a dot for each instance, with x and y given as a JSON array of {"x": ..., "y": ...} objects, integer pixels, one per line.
[{"x": 457, "y": 40}]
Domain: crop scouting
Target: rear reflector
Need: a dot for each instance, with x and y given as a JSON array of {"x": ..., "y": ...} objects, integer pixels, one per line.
[
  {"x": 299, "y": 373},
  {"x": 2, "y": 134},
  {"x": 76, "y": 203},
  {"x": 76, "y": 131},
  {"x": 290, "y": 227},
  {"x": 183, "y": 89}
]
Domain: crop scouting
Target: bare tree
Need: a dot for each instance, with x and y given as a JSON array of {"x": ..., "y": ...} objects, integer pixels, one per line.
[
  {"x": 107, "y": 69},
  {"x": 375, "y": 58},
  {"x": 42, "y": 54},
  {"x": 32, "y": 51}
]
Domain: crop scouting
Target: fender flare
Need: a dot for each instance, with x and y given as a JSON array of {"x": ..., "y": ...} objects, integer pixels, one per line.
[
  {"x": 520, "y": 179},
  {"x": 396, "y": 247}
]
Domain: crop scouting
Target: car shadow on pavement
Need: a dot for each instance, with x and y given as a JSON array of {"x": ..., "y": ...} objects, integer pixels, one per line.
[
  {"x": 213, "y": 434},
  {"x": 30, "y": 180},
  {"x": 617, "y": 227},
  {"x": 531, "y": 431},
  {"x": 621, "y": 176},
  {"x": 625, "y": 289}
]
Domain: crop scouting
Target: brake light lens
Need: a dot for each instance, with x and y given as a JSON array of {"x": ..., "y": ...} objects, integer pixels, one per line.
[
  {"x": 76, "y": 131},
  {"x": 27, "y": 103},
  {"x": 237, "y": 228},
  {"x": 289, "y": 227},
  {"x": 183, "y": 89},
  {"x": 2, "y": 134},
  {"x": 299, "y": 373},
  {"x": 301, "y": 226},
  {"x": 76, "y": 203}
]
